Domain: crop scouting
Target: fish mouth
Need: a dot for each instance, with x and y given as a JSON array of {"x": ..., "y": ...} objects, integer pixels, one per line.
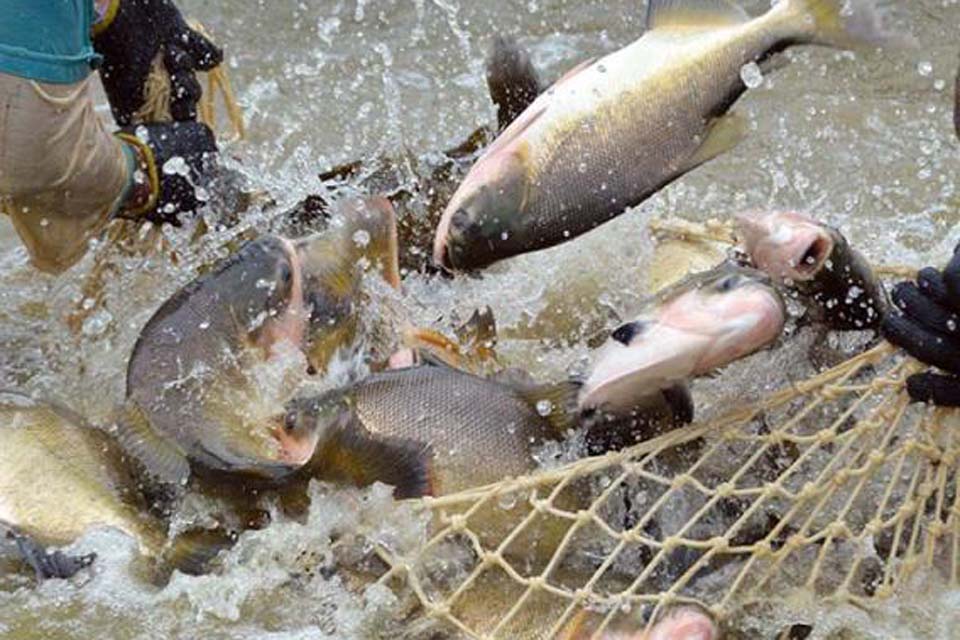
[
  {"x": 294, "y": 451},
  {"x": 813, "y": 257},
  {"x": 788, "y": 246}
]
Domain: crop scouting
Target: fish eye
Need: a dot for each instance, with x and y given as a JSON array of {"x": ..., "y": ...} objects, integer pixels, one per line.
[
  {"x": 625, "y": 334},
  {"x": 286, "y": 274},
  {"x": 727, "y": 284},
  {"x": 291, "y": 421}
]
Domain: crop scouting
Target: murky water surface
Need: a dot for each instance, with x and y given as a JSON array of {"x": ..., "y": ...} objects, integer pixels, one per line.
[{"x": 863, "y": 140}]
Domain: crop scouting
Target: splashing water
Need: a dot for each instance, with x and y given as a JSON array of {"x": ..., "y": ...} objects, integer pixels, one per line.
[{"x": 865, "y": 138}]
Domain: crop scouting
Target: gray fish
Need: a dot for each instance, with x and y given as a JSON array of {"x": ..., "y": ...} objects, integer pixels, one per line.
[
  {"x": 614, "y": 131},
  {"x": 440, "y": 430}
]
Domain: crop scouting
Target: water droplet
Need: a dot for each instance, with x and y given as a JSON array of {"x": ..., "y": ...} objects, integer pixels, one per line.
[
  {"x": 925, "y": 68},
  {"x": 544, "y": 408},
  {"x": 751, "y": 75},
  {"x": 361, "y": 238},
  {"x": 176, "y": 166},
  {"x": 97, "y": 324},
  {"x": 507, "y": 501}
]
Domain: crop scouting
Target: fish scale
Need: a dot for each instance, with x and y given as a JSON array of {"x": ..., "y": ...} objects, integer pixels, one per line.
[{"x": 463, "y": 418}]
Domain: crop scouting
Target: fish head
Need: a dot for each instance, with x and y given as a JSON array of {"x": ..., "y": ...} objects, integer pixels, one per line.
[
  {"x": 313, "y": 419},
  {"x": 275, "y": 303},
  {"x": 704, "y": 322},
  {"x": 362, "y": 237},
  {"x": 789, "y": 246},
  {"x": 483, "y": 222}
]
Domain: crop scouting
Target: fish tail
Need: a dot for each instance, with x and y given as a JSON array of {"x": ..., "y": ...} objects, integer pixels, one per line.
[
  {"x": 844, "y": 24},
  {"x": 193, "y": 551}
]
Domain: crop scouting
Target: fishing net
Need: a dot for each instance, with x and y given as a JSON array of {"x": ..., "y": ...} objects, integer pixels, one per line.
[{"x": 833, "y": 489}]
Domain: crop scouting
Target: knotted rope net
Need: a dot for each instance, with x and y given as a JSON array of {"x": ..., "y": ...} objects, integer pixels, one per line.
[{"x": 834, "y": 489}]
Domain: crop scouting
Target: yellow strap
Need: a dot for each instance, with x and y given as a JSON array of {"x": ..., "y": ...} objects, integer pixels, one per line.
[
  {"x": 150, "y": 162},
  {"x": 108, "y": 18}
]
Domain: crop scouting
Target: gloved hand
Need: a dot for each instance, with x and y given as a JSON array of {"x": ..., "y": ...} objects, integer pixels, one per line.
[
  {"x": 928, "y": 328},
  {"x": 129, "y": 42},
  {"x": 175, "y": 159}
]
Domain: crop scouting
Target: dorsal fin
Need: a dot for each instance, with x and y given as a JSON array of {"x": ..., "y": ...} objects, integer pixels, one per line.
[{"x": 687, "y": 14}]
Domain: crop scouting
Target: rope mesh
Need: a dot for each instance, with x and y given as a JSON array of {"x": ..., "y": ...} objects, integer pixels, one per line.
[{"x": 834, "y": 489}]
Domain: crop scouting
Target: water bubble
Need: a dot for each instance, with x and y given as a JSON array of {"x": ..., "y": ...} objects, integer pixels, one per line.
[
  {"x": 925, "y": 68},
  {"x": 751, "y": 75},
  {"x": 97, "y": 324},
  {"x": 544, "y": 408},
  {"x": 176, "y": 166},
  {"x": 507, "y": 501},
  {"x": 361, "y": 238}
]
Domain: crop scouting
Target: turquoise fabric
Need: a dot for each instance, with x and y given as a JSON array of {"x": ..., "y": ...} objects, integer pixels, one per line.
[{"x": 47, "y": 40}]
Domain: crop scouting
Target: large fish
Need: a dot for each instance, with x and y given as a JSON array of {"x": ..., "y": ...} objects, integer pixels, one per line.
[
  {"x": 816, "y": 260},
  {"x": 424, "y": 429},
  {"x": 702, "y": 323},
  {"x": 613, "y": 132},
  {"x": 60, "y": 478},
  {"x": 197, "y": 381}
]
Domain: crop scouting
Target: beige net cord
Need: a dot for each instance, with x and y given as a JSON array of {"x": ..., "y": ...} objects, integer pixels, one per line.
[
  {"x": 835, "y": 489},
  {"x": 156, "y": 107}
]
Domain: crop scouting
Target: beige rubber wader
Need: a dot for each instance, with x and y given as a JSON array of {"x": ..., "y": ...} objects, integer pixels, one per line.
[{"x": 62, "y": 175}]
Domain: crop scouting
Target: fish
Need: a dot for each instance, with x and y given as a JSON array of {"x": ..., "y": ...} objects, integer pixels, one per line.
[
  {"x": 512, "y": 79},
  {"x": 212, "y": 368},
  {"x": 692, "y": 328},
  {"x": 681, "y": 622},
  {"x": 361, "y": 239},
  {"x": 816, "y": 260},
  {"x": 60, "y": 477},
  {"x": 614, "y": 131},
  {"x": 423, "y": 429},
  {"x": 190, "y": 364}
]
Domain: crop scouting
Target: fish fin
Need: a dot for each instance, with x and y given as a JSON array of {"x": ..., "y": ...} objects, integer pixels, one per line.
[
  {"x": 48, "y": 565},
  {"x": 680, "y": 401},
  {"x": 353, "y": 454},
  {"x": 160, "y": 458},
  {"x": 193, "y": 551},
  {"x": 562, "y": 398},
  {"x": 384, "y": 249},
  {"x": 687, "y": 14},
  {"x": 844, "y": 24},
  {"x": 480, "y": 329},
  {"x": 433, "y": 342},
  {"x": 724, "y": 134}
]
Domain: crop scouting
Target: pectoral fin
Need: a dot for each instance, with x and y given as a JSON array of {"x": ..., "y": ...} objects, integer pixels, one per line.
[
  {"x": 723, "y": 134},
  {"x": 48, "y": 565},
  {"x": 159, "y": 457},
  {"x": 352, "y": 454},
  {"x": 193, "y": 551}
]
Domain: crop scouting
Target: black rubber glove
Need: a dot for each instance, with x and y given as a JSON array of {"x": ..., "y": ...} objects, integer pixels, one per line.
[
  {"x": 176, "y": 158},
  {"x": 139, "y": 30},
  {"x": 928, "y": 328}
]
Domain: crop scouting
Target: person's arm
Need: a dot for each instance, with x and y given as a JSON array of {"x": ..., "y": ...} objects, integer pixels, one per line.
[
  {"x": 927, "y": 326},
  {"x": 130, "y": 35}
]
